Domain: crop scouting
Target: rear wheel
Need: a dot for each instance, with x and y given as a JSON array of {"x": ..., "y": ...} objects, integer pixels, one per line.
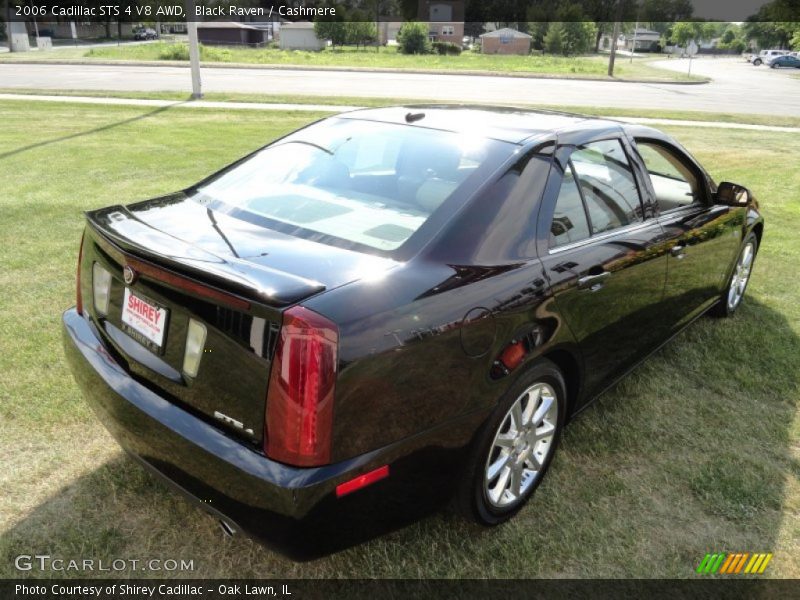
[
  {"x": 732, "y": 297},
  {"x": 515, "y": 447}
]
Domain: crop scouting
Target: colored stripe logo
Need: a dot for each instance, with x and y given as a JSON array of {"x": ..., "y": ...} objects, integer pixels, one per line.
[{"x": 734, "y": 563}]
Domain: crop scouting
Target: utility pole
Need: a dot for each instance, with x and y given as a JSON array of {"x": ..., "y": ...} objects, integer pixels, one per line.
[
  {"x": 613, "y": 56},
  {"x": 635, "y": 32},
  {"x": 194, "y": 51}
]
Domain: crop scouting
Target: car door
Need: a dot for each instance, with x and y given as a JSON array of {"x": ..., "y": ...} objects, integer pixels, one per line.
[
  {"x": 602, "y": 259},
  {"x": 702, "y": 238}
]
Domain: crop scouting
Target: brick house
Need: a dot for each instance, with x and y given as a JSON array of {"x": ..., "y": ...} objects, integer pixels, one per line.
[
  {"x": 445, "y": 19},
  {"x": 506, "y": 41}
]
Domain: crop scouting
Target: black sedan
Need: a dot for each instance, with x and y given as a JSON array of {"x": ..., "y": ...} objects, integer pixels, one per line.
[{"x": 395, "y": 305}]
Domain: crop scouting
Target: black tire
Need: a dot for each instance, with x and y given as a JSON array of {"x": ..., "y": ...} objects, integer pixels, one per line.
[
  {"x": 723, "y": 308},
  {"x": 757, "y": 62},
  {"x": 471, "y": 498}
]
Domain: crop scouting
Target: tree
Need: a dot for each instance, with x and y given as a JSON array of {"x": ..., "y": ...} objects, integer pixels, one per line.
[
  {"x": 771, "y": 33},
  {"x": 775, "y": 24},
  {"x": 538, "y": 31},
  {"x": 360, "y": 32},
  {"x": 665, "y": 11},
  {"x": 335, "y": 31},
  {"x": 686, "y": 31},
  {"x": 603, "y": 13},
  {"x": 413, "y": 38},
  {"x": 565, "y": 30},
  {"x": 554, "y": 38}
]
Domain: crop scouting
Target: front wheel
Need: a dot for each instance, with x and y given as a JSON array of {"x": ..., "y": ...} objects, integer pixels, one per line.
[
  {"x": 732, "y": 297},
  {"x": 515, "y": 447},
  {"x": 757, "y": 62}
]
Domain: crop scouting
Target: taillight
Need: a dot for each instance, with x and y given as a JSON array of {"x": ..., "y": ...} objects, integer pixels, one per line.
[
  {"x": 299, "y": 415},
  {"x": 78, "y": 295}
]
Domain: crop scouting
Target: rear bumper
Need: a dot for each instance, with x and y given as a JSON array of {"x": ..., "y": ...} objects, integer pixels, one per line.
[{"x": 255, "y": 494}]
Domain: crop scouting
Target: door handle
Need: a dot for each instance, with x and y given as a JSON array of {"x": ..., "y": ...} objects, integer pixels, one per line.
[
  {"x": 678, "y": 251},
  {"x": 593, "y": 282}
]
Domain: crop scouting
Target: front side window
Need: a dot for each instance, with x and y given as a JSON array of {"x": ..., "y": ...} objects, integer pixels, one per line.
[
  {"x": 674, "y": 181},
  {"x": 353, "y": 183},
  {"x": 608, "y": 185}
]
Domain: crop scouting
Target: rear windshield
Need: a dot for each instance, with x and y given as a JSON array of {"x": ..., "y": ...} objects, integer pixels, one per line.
[{"x": 354, "y": 183}]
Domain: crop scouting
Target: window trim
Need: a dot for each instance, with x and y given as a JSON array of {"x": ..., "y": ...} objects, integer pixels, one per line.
[{"x": 603, "y": 236}]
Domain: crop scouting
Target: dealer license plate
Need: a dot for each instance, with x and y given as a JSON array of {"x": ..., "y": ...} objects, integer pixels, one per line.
[{"x": 144, "y": 320}]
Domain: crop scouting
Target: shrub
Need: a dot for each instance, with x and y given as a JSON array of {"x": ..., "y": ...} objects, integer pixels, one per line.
[
  {"x": 213, "y": 54},
  {"x": 554, "y": 38},
  {"x": 448, "y": 48},
  {"x": 413, "y": 38},
  {"x": 173, "y": 52},
  {"x": 569, "y": 37}
]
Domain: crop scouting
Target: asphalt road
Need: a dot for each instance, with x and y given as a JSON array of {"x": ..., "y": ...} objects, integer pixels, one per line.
[{"x": 737, "y": 86}]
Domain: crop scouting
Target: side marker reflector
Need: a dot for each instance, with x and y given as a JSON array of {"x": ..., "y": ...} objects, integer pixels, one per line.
[{"x": 362, "y": 481}]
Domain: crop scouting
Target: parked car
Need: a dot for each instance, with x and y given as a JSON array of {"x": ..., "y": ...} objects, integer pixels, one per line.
[
  {"x": 395, "y": 301},
  {"x": 145, "y": 33},
  {"x": 787, "y": 60},
  {"x": 766, "y": 55}
]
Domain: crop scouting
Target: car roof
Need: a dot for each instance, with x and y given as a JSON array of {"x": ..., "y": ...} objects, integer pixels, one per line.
[{"x": 504, "y": 123}]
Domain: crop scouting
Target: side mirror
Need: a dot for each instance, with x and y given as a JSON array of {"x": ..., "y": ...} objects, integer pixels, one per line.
[{"x": 731, "y": 194}]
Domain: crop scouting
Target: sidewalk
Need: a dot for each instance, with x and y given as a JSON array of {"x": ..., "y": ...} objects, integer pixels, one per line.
[{"x": 339, "y": 108}]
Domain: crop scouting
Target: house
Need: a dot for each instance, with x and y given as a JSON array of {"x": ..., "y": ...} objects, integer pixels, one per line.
[
  {"x": 645, "y": 40},
  {"x": 506, "y": 41},
  {"x": 388, "y": 30},
  {"x": 605, "y": 42},
  {"x": 230, "y": 33},
  {"x": 300, "y": 35},
  {"x": 445, "y": 19}
]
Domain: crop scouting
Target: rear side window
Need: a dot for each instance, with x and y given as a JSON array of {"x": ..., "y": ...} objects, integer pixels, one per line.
[
  {"x": 569, "y": 220},
  {"x": 608, "y": 185},
  {"x": 351, "y": 183}
]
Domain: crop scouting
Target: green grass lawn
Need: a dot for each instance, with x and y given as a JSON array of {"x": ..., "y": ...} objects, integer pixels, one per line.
[
  {"x": 697, "y": 451},
  {"x": 389, "y": 57}
]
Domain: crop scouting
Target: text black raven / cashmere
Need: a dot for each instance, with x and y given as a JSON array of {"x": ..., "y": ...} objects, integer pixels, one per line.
[{"x": 393, "y": 304}]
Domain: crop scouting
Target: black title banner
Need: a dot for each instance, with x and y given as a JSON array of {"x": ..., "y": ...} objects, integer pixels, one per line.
[
  {"x": 358, "y": 589},
  {"x": 470, "y": 11}
]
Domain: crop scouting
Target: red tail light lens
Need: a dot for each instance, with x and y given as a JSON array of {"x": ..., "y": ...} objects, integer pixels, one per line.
[
  {"x": 78, "y": 295},
  {"x": 299, "y": 415}
]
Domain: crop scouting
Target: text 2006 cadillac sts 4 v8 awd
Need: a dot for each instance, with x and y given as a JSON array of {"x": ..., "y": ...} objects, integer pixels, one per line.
[{"x": 395, "y": 304}]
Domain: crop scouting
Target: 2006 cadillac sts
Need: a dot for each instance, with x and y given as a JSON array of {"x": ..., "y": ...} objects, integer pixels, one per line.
[{"x": 394, "y": 298}]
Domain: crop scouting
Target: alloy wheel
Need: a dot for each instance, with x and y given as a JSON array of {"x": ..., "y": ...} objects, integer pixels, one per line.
[
  {"x": 522, "y": 443},
  {"x": 741, "y": 275}
]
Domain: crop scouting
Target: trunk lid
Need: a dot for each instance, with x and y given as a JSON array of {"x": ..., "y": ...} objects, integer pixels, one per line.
[{"x": 234, "y": 278}]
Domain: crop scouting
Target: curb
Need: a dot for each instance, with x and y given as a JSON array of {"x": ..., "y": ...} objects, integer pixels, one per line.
[{"x": 268, "y": 67}]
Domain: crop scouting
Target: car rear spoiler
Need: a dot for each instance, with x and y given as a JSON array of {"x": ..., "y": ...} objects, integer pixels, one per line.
[{"x": 125, "y": 237}]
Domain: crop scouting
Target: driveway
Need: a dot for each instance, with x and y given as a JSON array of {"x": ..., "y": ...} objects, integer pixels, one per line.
[{"x": 738, "y": 87}]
